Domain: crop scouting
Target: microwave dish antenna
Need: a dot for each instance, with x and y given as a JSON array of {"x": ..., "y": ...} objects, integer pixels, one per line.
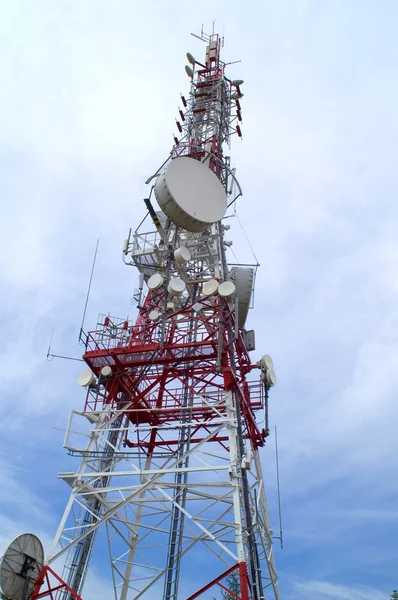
[
  {"x": 190, "y": 194},
  {"x": 243, "y": 277},
  {"x": 20, "y": 566}
]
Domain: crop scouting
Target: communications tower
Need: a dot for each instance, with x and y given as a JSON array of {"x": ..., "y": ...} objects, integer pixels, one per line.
[{"x": 171, "y": 473}]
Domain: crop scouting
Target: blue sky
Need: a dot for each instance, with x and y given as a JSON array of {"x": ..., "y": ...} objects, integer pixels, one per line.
[{"x": 90, "y": 92}]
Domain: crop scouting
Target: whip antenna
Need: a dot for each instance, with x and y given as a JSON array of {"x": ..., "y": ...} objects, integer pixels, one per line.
[
  {"x": 278, "y": 487},
  {"x": 88, "y": 292}
]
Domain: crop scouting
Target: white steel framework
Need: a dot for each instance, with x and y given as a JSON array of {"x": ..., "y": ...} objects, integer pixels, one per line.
[{"x": 171, "y": 469}]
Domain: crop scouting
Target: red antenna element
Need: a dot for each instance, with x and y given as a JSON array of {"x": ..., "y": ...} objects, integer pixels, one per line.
[{"x": 176, "y": 407}]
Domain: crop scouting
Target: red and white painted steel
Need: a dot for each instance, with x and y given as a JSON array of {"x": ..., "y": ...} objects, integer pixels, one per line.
[{"x": 171, "y": 471}]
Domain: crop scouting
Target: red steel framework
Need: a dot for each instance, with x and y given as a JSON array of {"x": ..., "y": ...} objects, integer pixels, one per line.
[{"x": 176, "y": 389}]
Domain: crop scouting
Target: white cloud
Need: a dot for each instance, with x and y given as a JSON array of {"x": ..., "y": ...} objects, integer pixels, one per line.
[
  {"x": 90, "y": 92},
  {"x": 22, "y": 510},
  {"x": 332, "y": 591}
]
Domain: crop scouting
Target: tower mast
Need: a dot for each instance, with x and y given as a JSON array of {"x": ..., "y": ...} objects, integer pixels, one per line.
[{"x": 171, "y": 471}]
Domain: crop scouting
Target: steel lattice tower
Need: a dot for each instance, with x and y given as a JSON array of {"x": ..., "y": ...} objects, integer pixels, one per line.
[{"x": 171, "y": 470}]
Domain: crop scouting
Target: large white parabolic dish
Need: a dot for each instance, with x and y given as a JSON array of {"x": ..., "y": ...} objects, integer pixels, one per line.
[
  {"x": 190, "y": 194},
  {"x": 21, "y": 566},
  {"x": 243, "y": 278}
]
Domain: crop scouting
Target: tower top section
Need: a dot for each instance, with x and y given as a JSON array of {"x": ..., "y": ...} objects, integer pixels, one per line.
[
  {"x": 212, "y": 112},
  {"x": 194, "y": 188}
]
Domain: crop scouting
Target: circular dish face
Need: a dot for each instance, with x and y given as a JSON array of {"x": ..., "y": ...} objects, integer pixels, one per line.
[
  {"x": 226, "y": 289},
  {"x": 106, "y": 371},
  {"x": 243, "y": 278},
  {"x": 267, "y": 361},
  {"x": 155, "y": 281},
  {"x": 190, "y": 194},
  {"x": 176, "y": 286},
  {"x": 210, "y": 287},
  {"x": 271, "y": 377},
  {"x": 154, "y": 315},
  {"x": 182, "y": 255},
  {"x": 25, "y": 551},
  {"x": 86, "y": 378}
]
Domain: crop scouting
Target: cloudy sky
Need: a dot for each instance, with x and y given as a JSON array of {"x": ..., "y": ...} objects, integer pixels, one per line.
[{"x": 89, "y": 94}]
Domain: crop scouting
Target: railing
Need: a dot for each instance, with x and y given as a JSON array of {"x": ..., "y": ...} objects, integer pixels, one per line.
[
  {"x": 209, "y": 399},
  {"x": 122, "y": 334}
]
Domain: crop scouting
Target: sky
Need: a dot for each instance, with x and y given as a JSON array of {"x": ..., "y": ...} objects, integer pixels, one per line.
[{"x": 89, "y": 95}]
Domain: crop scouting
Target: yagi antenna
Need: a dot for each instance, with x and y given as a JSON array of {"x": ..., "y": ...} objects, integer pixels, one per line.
[{"x": 88, "y": 292}]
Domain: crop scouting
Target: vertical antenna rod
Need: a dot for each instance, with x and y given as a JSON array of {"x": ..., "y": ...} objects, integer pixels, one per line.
[
  {"x": 278, "y": 486},
  {"x": 88, "y": 291}
]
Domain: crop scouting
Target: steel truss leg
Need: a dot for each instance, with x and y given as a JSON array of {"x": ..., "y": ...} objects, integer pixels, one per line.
[
  {"x": 45, "y": 578},
  {"x": 142, "y": 499}
]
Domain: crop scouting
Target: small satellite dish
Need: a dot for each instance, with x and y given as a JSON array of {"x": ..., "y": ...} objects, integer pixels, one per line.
[
  {"x": 176, "y": 286},
  {"x": 237, "y": 95},
  {"x": 267, "y": 362},
  {"x": 190, "y": 58},
  {"x": 237, "y": 82},
  {"x": 86, "y": 378},
  {"x": 210, "y": 287},
  {"x": 21, "y": 565},
  {"x": 155, "y": 281},
  {"x": 271, "y": 377},
  {"x": 106, "y": 371},
  {"x": 154, "y": 315},
  {"x": 226, "y": 289},
  {"x": 188, "y": 71},
  {"x": 190, "y": 194},
  {"x": 182, "y": 255}
]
